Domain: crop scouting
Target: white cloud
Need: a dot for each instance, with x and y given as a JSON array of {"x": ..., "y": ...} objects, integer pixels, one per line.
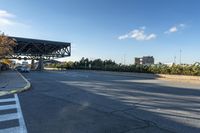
[
  {"x": 151, "y": 36},
  {"x": 4, "y": 22},
  {"x": 6, "y": 18},
  {"x": 123, "y": 37},
  {"x": 138, "y": 34},
  {"x": 5, "y": 14},
  {"x": 175, "y": 28}
]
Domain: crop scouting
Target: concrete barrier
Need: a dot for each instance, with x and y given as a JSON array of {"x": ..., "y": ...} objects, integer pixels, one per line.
[{"x": 46, "y": 68}]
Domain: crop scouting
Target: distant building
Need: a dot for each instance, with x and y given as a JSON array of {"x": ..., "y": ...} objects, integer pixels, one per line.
[
  {"x": 148, "y": 60},
  {"x": 137, "y": 60},
  {"x": 145, "y": 60}
]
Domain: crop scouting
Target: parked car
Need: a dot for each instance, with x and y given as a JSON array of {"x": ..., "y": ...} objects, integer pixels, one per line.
[
  {"x": 23, "y": 69},
  {"x": 18, "y": 68}
]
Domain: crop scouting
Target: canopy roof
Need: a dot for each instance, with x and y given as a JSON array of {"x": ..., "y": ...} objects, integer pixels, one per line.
[{"x": 32, "y": 48}]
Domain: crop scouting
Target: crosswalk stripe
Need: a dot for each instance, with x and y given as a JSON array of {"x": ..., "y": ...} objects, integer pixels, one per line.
[
  {"x": 5, "y": 107},
  {"x": 22, "y": 124},
  {"x": 12, "y": 116},
  {"x": 10, "y": 130},
  {"x": 7, "y": 117},
  {"x": 7, "y": 100}
]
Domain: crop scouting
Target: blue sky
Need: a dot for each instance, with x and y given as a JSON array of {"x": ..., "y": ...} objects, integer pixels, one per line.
[{"x": 110, "y": 29}]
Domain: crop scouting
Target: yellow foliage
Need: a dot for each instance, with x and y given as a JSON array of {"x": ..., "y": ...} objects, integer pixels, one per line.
[
  {"x": 6, "y": 45},
  {"x": 6, "y": 61}
]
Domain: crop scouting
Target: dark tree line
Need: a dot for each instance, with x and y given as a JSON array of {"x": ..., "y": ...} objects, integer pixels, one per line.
[{"x": 109, "y": 65}]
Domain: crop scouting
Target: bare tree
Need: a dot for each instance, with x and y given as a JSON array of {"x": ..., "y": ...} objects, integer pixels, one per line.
[{"x": 6, "y": 45}]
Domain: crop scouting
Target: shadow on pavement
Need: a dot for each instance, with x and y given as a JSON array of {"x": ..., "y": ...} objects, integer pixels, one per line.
[{"x": 153, "y": 106}]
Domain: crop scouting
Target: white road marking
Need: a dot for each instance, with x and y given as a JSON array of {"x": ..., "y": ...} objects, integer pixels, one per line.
[
  {"x": 6, "y": 107},
  {"x": 22, "y": 125},
  {"x": 12, "y": 116},
  {"x": 10, "y": 130},
  {"x": 7, "y": 117},
  {"x": 7, "y": 100}
]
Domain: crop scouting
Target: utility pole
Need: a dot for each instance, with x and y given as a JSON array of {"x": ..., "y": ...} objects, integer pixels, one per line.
[
  {"x": 174, "y": 59},
  {"x": 124, "y": 59}
]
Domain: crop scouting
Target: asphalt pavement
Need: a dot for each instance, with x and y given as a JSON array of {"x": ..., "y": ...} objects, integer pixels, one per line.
[{"x": 94, "y": 102}]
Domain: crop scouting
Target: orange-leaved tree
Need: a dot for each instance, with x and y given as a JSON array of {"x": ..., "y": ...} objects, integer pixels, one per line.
[{"x": 6, "y": 45}]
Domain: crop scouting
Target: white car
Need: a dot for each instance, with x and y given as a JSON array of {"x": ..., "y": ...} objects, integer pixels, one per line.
[{"x": 24, "y": 69}]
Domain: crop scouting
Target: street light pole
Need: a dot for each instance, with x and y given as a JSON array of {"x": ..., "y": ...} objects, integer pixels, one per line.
[
  {"x": 124, "y": 59},
  {"x": 174, "y": 59}
]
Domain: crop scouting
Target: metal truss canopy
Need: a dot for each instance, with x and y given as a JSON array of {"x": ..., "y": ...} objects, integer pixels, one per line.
[{"x": 34, "y": 48}]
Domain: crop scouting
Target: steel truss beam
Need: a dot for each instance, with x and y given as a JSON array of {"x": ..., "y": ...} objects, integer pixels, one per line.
[{"x": 34, "y": 49}]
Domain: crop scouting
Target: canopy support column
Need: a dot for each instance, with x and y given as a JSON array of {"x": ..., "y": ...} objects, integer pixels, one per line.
[
  {"x": 32, "y": 64},
  {"x": 40, "y": 64}
]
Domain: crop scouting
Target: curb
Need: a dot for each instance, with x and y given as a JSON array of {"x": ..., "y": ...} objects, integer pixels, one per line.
[{"x": 17, "y": 90}]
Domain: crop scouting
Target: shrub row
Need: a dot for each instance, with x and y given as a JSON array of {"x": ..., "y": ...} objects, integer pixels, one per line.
[{"x": 109, "y": 65}]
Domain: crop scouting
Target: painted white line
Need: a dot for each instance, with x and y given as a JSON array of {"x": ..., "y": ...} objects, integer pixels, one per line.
[
  {"x": 22, "y": 125},
  {"x": 10, "y": 130},
  {"x": 5, "y": 107},
  {"x": 7, "y": 117},
  {"x": 7, "y": 100}
]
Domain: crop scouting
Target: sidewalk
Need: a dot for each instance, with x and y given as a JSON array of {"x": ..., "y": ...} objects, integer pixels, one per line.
[{"x": 12, "y": 82}]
